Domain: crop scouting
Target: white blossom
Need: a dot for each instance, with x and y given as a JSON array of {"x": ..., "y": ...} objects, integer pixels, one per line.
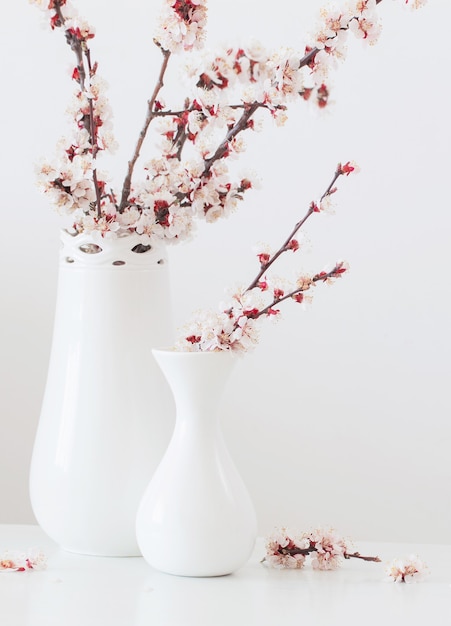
[
  {"x": 409, "y": 570},
  {"x": 280, "y": 548},
  {"x": 182, "y": 25},
  {"x": 329, "y": 548}
]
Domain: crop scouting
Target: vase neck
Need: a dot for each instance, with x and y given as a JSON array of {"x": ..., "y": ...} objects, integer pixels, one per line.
[{"x": 197, "y": 381}]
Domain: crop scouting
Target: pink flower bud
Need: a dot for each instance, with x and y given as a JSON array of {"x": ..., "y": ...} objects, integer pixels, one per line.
[{"x": 292, "y": 245}]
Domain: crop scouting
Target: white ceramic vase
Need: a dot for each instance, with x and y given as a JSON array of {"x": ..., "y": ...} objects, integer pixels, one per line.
[
  {"x": 105, "y": 419},
  {"x": 196, "y": 517}
]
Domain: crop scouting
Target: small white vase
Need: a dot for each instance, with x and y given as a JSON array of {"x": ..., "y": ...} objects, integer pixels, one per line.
[
  {"x": 105, "y": 419},
  {"x": 196, "y": 517}
]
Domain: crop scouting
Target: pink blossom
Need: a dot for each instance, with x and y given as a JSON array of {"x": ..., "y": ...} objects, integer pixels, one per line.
[
  {"x": 281, "y": 551},
  {"x": 348, "y": 168},
  {"x": 329, "y": 548},
  {"x": 293, "y": 244},
  {"x": 363, "y": 7},
  {"x": 367, "y": 28},
  {"x": 304, "y": 282},
  {"x": 416, "y": 4},
  {"x": 182, "y": 25},
  {"x": 21, "y": 561},
  {"x": 408, "y": 570}
]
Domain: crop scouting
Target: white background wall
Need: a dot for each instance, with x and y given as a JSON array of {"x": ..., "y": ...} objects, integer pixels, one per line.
[{"x": 342, "y": 414}]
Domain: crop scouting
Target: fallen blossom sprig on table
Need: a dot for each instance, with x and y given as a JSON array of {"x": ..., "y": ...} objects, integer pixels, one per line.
[
  {"x": 23, "y": 561},
  {"x": 409, "y": 570},
  {"x": 234, "y": 327},
  {"x": 325, "y": 548},
  {"x": 190, "y": 179}
]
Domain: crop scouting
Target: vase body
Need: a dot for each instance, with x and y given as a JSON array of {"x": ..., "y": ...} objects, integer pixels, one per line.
[
  {"x": 196, "y": 517},
  {"x": 101, "y": 431}
]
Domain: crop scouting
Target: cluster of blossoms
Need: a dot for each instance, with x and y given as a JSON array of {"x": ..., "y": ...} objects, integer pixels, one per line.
[
  {"x": 191, "y": 178},
  {"x": 235, "y": 326},
  {"x": 182, "y": 25},
  {"x": 324, "y": 547},
  {"x": 409, "y": 570},
  {"x": 22, "y": 562}
]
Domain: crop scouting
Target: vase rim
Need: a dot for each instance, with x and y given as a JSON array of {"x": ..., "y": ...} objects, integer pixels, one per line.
[{"x": 117, "y": 254}]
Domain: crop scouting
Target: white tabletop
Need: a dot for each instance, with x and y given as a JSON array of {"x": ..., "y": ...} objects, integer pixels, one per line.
[{"x": 93, "y": 591}]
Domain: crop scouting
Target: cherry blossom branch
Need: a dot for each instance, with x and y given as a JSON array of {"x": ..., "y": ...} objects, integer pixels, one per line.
[
  {"x": 233, "y": 328},
  {"x": 337, "y": 271},
  {"x": 151, "y": 114},
  {"x": 293, "y": 551},
  {"x": 326, "y": 548},
  {"x": 287, "y": 245},
  {"x": 80, "y": 48}
]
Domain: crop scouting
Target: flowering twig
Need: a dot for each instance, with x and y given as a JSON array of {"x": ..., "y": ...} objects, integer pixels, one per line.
[
  {"x": 339, "y": 268},
  {"x": 176, "y": 192},
  {"x": 326, "y": 548},
  {"x": 295, "y": 550},
  {"x": 234, "y": 327},
  {"x": 290, "y": 243},
  {"x": 78, "y": 43}
]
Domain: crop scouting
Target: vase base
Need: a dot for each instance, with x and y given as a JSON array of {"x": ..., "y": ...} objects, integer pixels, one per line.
[
  {"x": 127, "y": 549},
  {"x": 193, "y": 574},
  {"x": 106, "y": 554}
]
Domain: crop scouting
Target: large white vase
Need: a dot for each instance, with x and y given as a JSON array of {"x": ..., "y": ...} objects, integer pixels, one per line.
[
  {"x": 196, "y": 517},
  {"x": 106, "y": 413}
]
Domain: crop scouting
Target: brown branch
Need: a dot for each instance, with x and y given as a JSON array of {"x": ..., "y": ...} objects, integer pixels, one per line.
[
  {"x": 240, "y": 125},
  {"x": 142, "y": 135},
  {"x": 310, "y": 550},
  {"x": 98, "y": 194},
  {"x": 281, "y": 250},
  {"x": 307, "y": 58},
  {"x": 323, "y": 276},
  {"x": 357, "y": 555},
  {"x": 93, "y": 134},
  {"x": 179, "y": 141},
  {"x": 284, "y": 247},
  {"x": 73, "y": 42},
  {"x": 171, "y": 113}
]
